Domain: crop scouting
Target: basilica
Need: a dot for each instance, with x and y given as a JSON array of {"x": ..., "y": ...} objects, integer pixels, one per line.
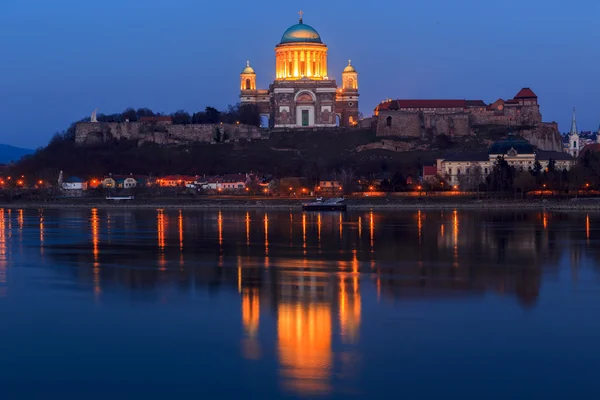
[{"x": 303, "y": 95}]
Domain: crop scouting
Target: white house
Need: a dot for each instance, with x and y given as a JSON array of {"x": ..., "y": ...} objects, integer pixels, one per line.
[
  {"x": 75, "y": 184},
  {"x": 227, "y": 183}
]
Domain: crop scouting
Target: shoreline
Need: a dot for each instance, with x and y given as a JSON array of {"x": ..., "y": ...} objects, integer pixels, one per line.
[{"x": 296, "y": 205}]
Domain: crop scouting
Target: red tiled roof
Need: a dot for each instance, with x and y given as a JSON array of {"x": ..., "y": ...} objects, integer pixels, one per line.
[
  {"x": 429, "y": 170},
  {"x": 526, "y": 93},
  {"x": 185, "y": 178},
  {"x": 234, "y": 178},
  {"x": 475, "y": 103},
  {"x": 404, "y": 104}
]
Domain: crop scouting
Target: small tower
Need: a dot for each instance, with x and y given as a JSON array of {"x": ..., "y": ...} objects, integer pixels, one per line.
[
  {"x": 350, "y": 77},
  {"x": 574, "y": 137},
  {"x": 598, "y": 135},
  {"x": 347, "y": 97},
  {"x": 248, "y": 78}
]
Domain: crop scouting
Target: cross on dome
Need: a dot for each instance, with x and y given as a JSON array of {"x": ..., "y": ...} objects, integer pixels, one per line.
[{"x": 301, "y": 14}]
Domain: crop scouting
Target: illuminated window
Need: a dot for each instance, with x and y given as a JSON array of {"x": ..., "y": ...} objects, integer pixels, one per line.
[
  {"x": 248, "y": 84},
  {"x": 290, "y": 68},
  {"x": 302, "y": 68}
]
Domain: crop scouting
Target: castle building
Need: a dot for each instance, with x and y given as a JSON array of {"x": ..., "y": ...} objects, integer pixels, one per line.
[
  {"x": 303, "y": 95},
  {"x": 574, "y": 142},
  {"x": 516, "y": 151}
]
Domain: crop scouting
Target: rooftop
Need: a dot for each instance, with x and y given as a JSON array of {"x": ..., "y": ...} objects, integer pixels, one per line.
[
  {"x": 520, "y": 145},
  {"x": 526, "y": 93},
  {"x": 417, "y": 103}
]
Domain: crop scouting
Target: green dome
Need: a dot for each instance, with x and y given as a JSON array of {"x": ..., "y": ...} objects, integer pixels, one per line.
[
  {"x": 301, "y": 33},
  {"x": 520, "y": 145}
]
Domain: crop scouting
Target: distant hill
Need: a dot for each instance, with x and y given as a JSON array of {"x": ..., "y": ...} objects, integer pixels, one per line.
[{"x": 11, "y": 153}]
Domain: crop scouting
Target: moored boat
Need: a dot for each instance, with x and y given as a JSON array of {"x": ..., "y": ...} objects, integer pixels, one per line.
[{"x": 336, "y": 204}]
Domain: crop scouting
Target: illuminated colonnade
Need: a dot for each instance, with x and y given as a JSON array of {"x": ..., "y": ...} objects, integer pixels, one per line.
[{"x": 297, "y": 61}]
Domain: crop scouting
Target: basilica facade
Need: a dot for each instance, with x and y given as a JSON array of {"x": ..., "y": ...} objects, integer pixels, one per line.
[{"x": 303, "y": 95}]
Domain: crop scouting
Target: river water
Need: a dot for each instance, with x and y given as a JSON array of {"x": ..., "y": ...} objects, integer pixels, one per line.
[{"x": 231, "y": 304}]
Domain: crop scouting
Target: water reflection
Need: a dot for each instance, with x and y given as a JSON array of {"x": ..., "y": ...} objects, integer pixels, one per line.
[
  {"x": 304, "y": 346},
  {"x": 310, "y": 290},
  {"x": 3, "y": 255}
]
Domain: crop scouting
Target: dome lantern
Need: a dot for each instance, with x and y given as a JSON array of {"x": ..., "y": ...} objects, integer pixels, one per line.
[
  {"x": 248, "y": 69},
  {"x": 349, "y": 68}
]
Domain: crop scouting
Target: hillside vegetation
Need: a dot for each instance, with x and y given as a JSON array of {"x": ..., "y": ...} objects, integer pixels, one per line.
[{"x": 300, "y": 153}]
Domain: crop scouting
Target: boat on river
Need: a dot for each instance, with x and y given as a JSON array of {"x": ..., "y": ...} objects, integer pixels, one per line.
[{"x": 335, "y": 204}]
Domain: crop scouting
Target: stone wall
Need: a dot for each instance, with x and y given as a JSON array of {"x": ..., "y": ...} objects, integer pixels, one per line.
[
  {"x": 89, "y": 133},
  {"x": 526, "y": 120},
  {"x": 422, "y": 125},
  {"x": 544, "y": 136}
]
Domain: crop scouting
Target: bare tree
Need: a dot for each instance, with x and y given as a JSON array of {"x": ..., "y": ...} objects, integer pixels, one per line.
[{"x": 345, "y": 176}]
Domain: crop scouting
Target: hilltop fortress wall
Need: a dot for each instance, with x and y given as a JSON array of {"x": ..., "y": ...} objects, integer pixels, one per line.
[
  {"x": 89, "y": 133},
  {"x": 458, "y": 118}
]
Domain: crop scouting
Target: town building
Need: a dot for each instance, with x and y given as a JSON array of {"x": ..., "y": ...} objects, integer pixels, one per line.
[
  {"x": 329, "y": 184},
  {"x": 429, "y": 173},
  {"x": 177, "y": 181},
  {"x": 74, "y": 186},
  {"x": 303, "y": 95},
  {"x": 516, "y": 151},
  {"x": 232, "y": 182},
  {"x": 74, "y": 183}
]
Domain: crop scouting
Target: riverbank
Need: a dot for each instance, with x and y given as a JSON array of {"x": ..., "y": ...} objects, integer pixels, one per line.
[{"x": 357, "y": 203}]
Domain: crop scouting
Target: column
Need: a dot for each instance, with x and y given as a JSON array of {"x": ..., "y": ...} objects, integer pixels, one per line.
[
  {"x": 296, "y": 63},
  {"x": 319, "y": 63},
  {"x": 308, "y": 66}
]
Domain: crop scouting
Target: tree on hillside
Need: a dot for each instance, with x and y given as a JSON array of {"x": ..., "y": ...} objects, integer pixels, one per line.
[
  {"x": 144, "y": 112},
  {"x": 249, "y": 114},
  {"x": 129, "y": 115},
  {"x": 181, "y": 117},
  {"x": 502, "y": 176},
  {"x": 345, "y": 176},
  {"x": 199, "y": 118},
  {"x": 471, "y": 180},
  {"x": 212, "y": 115},
  {"x": 398, "y": 182},
  {"x": 537, "y": 168},
  {"x": 525, "y": 182}
]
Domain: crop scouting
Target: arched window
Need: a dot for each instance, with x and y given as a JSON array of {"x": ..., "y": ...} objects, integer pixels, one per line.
[
  {"x": 248, "y": 84},
  {"x": 574, "y": 144},
  {"x": 388, "y": 122}
]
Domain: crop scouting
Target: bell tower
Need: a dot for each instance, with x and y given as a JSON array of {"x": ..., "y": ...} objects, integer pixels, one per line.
[
  {"x": 347, "y": 97},
  {"x": 574, "y": 137},
  {"x": 248, "y": 78},
  {"x": 350, "y": 77}
]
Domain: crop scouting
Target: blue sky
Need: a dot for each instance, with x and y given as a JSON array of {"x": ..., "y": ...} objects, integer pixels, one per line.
[{"x": 63, "y": 58}]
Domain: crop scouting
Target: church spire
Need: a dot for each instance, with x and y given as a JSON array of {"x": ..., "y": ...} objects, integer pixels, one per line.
[{"x": 574, "y": 130}]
